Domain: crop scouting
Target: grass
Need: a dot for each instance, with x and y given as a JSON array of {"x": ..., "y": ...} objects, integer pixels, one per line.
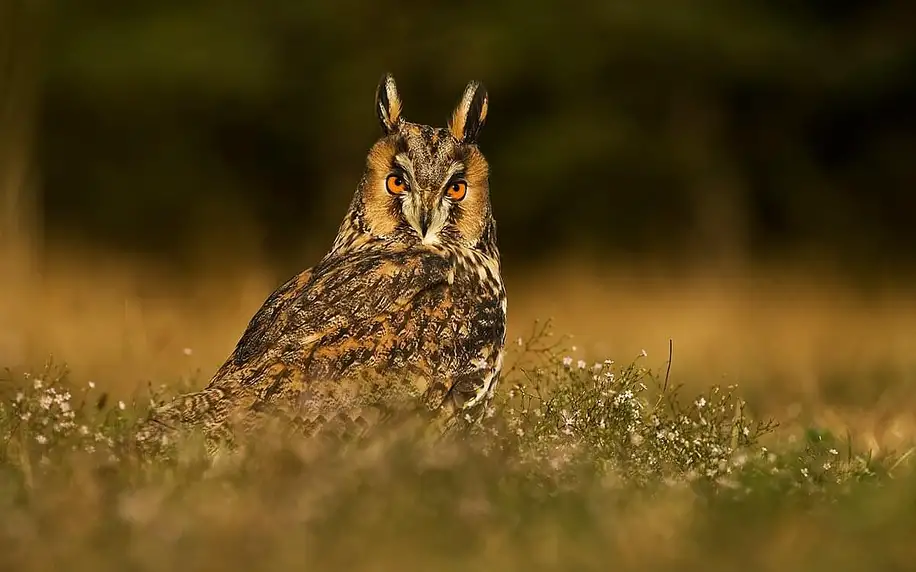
[{"x": 578, "y": 466}]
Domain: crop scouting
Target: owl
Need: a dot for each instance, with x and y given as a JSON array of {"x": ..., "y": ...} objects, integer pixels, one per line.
[{"x": 409, "y": 300}]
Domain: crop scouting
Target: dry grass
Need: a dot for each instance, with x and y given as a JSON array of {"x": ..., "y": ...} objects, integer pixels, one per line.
[
  {"x": 579, "y": 467},
  {"x": 818, "y": 357},
  {"x": 801, "y": 347}
]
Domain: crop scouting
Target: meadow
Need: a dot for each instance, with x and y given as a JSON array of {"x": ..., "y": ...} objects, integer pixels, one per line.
[{"x": 658, "y": 422}]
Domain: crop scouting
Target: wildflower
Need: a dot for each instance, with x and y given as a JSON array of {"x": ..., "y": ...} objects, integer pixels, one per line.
[
  {"x": 804, "y": 472},
  {"x": 746, "y": 431},
  {"x": 19, "y": 397},
  {"x": 834, "y": 452},
  {"x": 621, "y": 397},
  {"x": 84, "y": 430},
  {"x": 26, "y": 416},
  {"x": 121, "y": 405},
  {"x": 38, "y": 384},
  {"x": 827, "y": 466},
  {"x": 643, "y": 353},
  {"x": 41, "y": 439},
  {"x": 45, "y": 401},
  {"x": 701, "y": 402},
  {"x": 581, "y": 363},
  {"x": 187, "y": 351},
  {"x": 91, "y": 385},
  {"x": 567, "y": 361},
  {"x": 597, "y": 366}
]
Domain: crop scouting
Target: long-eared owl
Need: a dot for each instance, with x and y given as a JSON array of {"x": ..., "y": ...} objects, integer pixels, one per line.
[{"x": 409, "y": 294}]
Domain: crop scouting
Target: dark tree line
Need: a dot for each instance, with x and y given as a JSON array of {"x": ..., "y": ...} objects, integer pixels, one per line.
[{"x": 711, "y": 128}]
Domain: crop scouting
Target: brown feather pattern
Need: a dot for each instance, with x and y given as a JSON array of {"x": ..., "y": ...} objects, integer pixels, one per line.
[{"x": 388, "y": 305}]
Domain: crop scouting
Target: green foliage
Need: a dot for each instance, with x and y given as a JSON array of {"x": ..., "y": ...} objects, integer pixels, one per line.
[{"x": 577, "y": 465}]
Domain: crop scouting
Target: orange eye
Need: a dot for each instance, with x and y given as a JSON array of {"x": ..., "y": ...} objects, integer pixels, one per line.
[
  {"x": 457, "y": 190},
  {"x": 396, "y": 184}
]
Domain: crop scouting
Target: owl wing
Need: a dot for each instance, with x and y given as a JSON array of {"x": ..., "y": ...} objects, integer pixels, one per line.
[
  {"x": 404, "y": 313},
  {"x": 368, "y": 310},
  {"x": 342, "y": 315}
]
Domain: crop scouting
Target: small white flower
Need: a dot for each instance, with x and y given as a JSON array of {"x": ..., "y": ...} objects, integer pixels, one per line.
[
  {"x": 84, "y": 430},
  {"x": 567, "y": 361},
  {"x": 827, "y": 466},
  {"x": 581, "y": 363},
  {"x": 804, "y": 472},
  {"x": 643, "y": 353},
  {"x": 91, "y": 385},
  {"x": 19, "y": 397},
  {"x": 746, "y": 431},
  {"x": 121, "y": 405},
  {"x": 834, "y": 452},
  {"x": 41, "y": 439},
  {"x": 38, "y": 384},
  {"x": 519, "y": 341},
  {"x": 597, "y": 366},
  {"x": 187, "y": 351},
  {"x": 574, "y": 348},
  {"x": 26, "y": 416},
  {"x": 701, "y": 402}
]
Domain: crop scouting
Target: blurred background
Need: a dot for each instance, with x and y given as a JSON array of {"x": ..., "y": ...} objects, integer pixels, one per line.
[{"x": 735, "y": 176}]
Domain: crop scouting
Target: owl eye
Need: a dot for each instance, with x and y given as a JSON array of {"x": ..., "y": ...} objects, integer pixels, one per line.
[
  {"x": 457, "y": 190},
  {"x": 396, "y": 184}
]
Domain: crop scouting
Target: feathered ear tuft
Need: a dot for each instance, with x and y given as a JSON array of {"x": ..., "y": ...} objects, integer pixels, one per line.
[
  {"x": 388, "y": 103},
  {"x": 471, "y": 113}
]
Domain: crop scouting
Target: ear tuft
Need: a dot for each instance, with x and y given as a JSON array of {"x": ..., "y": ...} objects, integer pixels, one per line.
[
  {"x": 471, "y": 113},
  {"x": 388, "y": 103}
]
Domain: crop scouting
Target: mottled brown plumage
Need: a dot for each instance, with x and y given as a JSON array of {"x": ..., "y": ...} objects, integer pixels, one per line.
[{"x": 409, "y": 297}]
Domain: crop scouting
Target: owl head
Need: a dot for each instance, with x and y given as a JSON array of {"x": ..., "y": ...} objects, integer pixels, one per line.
[{"x": 423, "y": 184}]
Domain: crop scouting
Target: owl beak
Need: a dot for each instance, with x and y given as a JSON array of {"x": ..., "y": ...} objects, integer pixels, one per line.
[{"x": 425, "y": 219}]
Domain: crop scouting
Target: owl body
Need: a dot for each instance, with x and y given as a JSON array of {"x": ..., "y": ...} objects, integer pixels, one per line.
[{"x": 409, "y": 297}]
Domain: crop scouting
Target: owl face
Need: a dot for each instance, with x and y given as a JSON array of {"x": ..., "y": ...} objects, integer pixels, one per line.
[{"x": 424, "y": 184}]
